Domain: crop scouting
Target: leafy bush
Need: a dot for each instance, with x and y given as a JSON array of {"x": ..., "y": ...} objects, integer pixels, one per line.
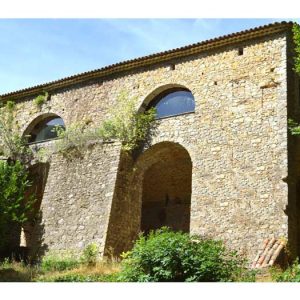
[
  {"x": 72, "y": 140},
  {"x": 127, "y": 125},
  {"x": 291, "y": 274},
  {"x": 59, "y": 263},
  {"x": 90, "y": 254},
  {"x": 14, "y": 208},
  {"x": 165, "y": 255}
]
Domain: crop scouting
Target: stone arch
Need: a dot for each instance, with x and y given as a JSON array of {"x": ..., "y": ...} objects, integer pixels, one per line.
[
  {"x": 163, "y": 181},
  {"x": 157, "y": 91},
  {"x": 38, "y": 120}
]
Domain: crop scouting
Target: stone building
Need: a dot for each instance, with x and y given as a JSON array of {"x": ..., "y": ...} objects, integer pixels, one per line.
[{"x": 221, "y": 163}]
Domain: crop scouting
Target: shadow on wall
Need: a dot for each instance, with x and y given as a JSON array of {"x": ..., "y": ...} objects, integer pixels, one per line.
[
  {"x": 32, "y": 246},
  {"x": 11, "y": 241},
  {"x": 151, "y": 191}
]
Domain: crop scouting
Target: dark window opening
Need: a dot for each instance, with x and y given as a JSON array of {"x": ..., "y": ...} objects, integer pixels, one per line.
[
  {"x": 45, "y": 130},
  {"x": 173, "y": 102},
  {"x": 241, "y": 51},
  {"x": 166, "y": 190},
  {"x": 172, "y": 67}
]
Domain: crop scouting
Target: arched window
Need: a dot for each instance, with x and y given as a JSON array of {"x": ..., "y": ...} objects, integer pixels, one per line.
[
  {"x": 45, "y": 129},
  {"x": 173, "y": 102}
]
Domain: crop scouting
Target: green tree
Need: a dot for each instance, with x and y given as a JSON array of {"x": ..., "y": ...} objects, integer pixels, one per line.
[
  {"x": 12, "y": 144},
  {"x": 14, "y": 207}
]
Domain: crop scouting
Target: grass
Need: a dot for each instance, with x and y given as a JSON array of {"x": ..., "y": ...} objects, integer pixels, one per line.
[
  {"x": 83, "y": 273},
  {"x": 19, "y": 272},
  {"x": 102, "y": 271}
]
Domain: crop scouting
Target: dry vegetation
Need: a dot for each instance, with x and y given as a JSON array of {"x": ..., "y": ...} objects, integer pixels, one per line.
[{"x": 19, "y": 272}]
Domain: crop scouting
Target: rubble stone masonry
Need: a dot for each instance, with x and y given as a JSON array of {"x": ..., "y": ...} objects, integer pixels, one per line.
[{"x": 236, "y": 141}]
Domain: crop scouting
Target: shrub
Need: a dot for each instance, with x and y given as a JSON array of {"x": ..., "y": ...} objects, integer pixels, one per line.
[
  {"x": 14, "y": 208},
  {"x": 165, "y": 255},
  {"x": 59, "y": 263},
  {"x": 291, "y": 274},
  {"x": 40, "y": 100},
  {"x": 72, "y": 140},
  {"x": 12, "y": 144},
  {"x": 127, "y": 125},
  {"x": 90, "y": 254}
]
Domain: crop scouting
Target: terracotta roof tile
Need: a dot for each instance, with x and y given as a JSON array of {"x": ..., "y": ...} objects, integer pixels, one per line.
[{"x": 269, "y": 253}]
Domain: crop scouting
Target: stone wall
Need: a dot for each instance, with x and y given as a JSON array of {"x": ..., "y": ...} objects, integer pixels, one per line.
[
  {"x": 77, "y": 200},
  {"x": 236, "y": 138}
]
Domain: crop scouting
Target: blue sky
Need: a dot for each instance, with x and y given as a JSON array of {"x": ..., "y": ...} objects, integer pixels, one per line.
[{"x": 35, "y": 51}]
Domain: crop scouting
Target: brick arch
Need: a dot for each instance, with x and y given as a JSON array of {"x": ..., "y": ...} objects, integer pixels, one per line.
[
  {"x": 157, "y": 91},
  {"x": 163, "y": 181}
]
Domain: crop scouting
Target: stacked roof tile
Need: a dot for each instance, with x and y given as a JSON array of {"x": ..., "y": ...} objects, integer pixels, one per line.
[{"x": 269, "y": 254}]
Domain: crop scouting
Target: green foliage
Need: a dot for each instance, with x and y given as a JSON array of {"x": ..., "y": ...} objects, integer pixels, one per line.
[
  {"x": 74, "y": 139},
  {"x": 127, "y": 125},
  {"x": 291, "y": 274},
  {"x": 90, "y": 254},
  {"x": 294, "y": 127},
  {"x": 11, "y": 271},
  {"x": 40, "y": 100},
  {"x": 59, "y": 263},
  {"x": 296, "y": 38},
  {"x": 165, "y": 255},
  {"x": 14, "y": 208},
  {"x": 12, "y": 145}
]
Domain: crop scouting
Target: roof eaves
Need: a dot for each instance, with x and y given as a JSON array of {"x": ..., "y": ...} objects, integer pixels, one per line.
[{"x": 153, "y": 59}]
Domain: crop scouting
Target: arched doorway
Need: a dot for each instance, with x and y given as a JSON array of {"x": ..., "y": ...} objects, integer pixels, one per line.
[{"x": 166, "y": 187}]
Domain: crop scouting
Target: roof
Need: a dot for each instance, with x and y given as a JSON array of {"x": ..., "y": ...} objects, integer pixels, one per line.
[{"x": 165, "y": 56}]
